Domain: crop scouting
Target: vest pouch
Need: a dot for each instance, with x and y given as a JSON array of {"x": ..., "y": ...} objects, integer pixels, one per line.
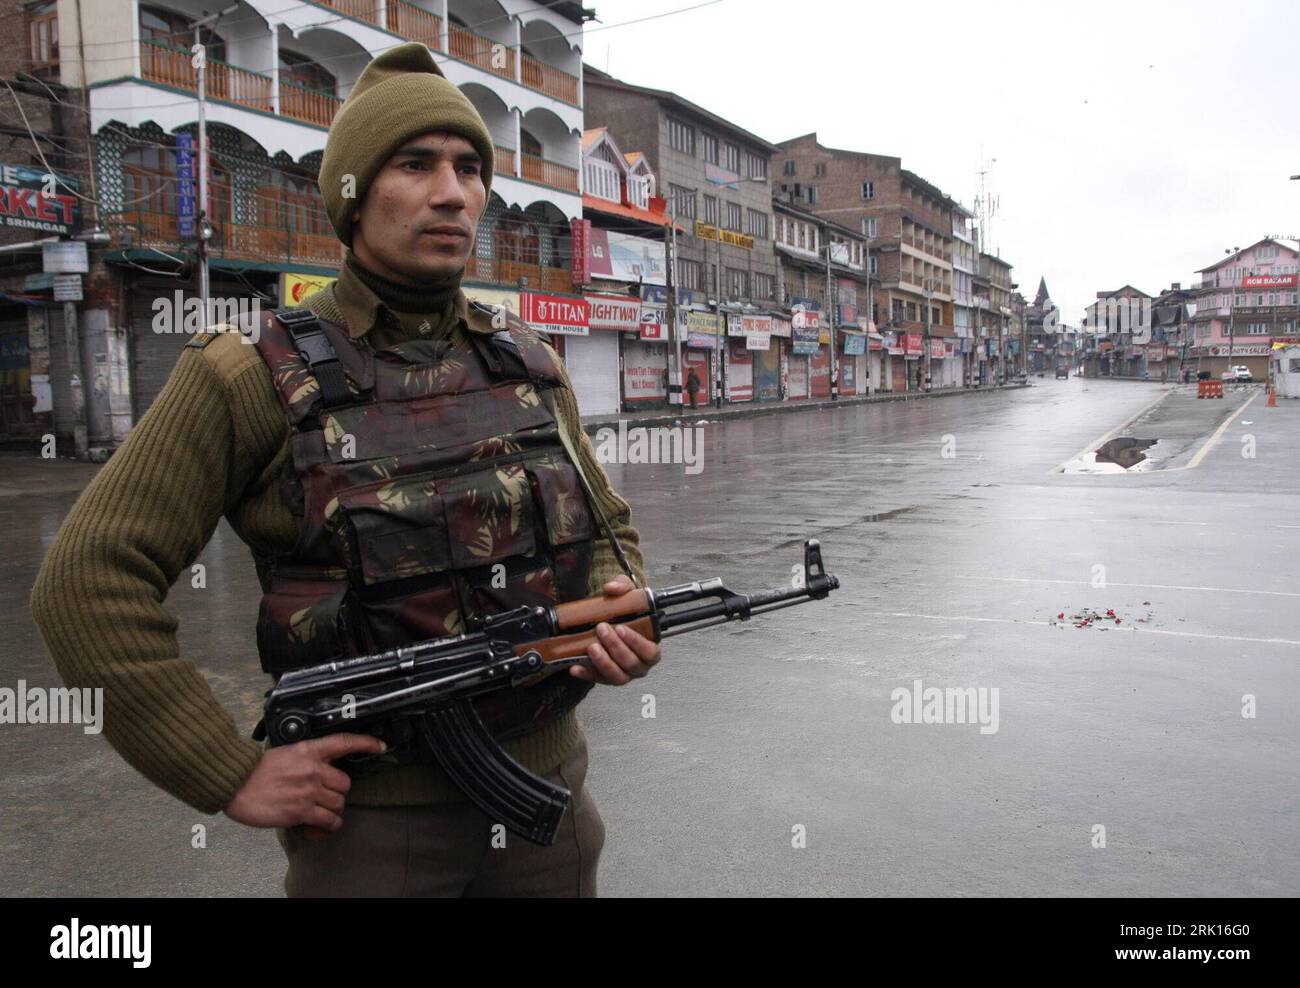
[
  {"x": 399, "y": 558},
  {"x": 302, "y": 622},
  {"x": 570, "y": 528},
  {"x": 490, "y": 515},
  {"x": 555, "y": 484}
]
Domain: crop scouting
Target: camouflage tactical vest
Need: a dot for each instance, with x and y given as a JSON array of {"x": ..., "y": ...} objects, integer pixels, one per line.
[{"x": 433, "y": 489}]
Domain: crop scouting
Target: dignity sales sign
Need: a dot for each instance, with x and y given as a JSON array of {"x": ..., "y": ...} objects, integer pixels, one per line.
[
  {"x": 31, "y": 199},
  {"x": 555, "y": 314}
]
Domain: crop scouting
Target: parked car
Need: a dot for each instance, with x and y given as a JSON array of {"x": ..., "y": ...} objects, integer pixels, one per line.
[
  {"x": 1063, "y": 372},
  {"x": 1239, "y": 373}
]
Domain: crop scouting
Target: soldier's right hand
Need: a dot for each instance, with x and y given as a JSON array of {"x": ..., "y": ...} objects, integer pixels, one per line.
[{"x": 296, "y": 784}]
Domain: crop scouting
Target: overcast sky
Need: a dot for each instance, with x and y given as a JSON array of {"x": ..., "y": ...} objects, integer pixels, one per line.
[{"x": 1134, "y": 142}]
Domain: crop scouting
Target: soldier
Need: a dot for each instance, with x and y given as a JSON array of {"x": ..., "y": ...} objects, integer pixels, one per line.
[{"x": 400, "y": 462}]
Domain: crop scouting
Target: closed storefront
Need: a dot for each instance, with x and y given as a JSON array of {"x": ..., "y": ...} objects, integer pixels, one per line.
[
  {"x": 853, "y": 347},
  {"x": 700, "y": 361},
  {"x": 898, "y": 367},
  {"x": 592, "y": 363},
  {"x": 803, "y": 347},
  {"x": 161, "y": 323},
  {"x": 739, "y": 376},
  {"x": 645, "y": 371},
  {"x": 819, "y": 370},
  {"x": 798, "y": 377},
  {"x": 16, "y": 403},
  {"x": 767, "y": 372}
]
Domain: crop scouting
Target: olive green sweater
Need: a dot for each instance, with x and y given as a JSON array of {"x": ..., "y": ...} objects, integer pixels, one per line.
[{"x": 212, "y": 446}]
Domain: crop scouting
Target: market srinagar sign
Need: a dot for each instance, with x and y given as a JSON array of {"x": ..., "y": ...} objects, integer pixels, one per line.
[{"x": 32, "y": 199}]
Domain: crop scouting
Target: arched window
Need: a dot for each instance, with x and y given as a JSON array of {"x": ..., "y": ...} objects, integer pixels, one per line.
[
  {"x": 151, "y": 190},
  {"x": 289, "y": 201},
  {"x": 517, "y": 240},
  {"x": 172, "y": 30},
  {"x": 303, "y": 71}
]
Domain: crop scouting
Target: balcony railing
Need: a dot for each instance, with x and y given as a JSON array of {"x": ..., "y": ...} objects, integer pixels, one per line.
[
  {"x": 362, "y": 10},
  {"x": 173, "y": 67},
  {"x": 550, "y": 80},
  {"x": 415, "y": 23},
  {"x": 505, "y": 160},
  {"x": 550, "y": 173},
  {"x": 506, "y": 272},
  {"x": 231, "y": 240},
  {"x": 309, "y": 105},
  {"x": 491, "y": 56}
]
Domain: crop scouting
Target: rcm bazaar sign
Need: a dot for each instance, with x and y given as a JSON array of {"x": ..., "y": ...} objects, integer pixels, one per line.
[
  {"x": 1270, "y": 281},
  {"x": 555, "y": 314},
  {"x": 31, "y": 199}
]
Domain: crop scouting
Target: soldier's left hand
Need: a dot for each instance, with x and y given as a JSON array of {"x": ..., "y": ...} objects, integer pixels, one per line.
[{"x": 619, "y": 654}]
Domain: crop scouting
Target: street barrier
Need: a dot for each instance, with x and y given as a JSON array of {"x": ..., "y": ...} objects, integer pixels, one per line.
[{"x": 1209, "y": 389}]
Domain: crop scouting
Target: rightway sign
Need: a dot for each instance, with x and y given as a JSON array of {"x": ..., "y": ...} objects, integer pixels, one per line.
[{"x": 31, "y": 199}]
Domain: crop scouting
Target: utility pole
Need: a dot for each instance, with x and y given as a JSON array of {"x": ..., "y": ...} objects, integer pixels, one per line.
[
  {"x": 929, "y": 295},
  {"x": 675, "y": 350},
  {"x": 871, "y": 311},
  {"x": 830, "y": 315},
  {"x": 724, "y": 340},
  {"x": 204, "y": 226},
  {"x": 200, "y": 65}
]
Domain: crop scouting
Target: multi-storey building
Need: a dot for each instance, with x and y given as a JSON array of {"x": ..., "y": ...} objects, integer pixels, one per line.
[
  {"x": 824, "y": 282},
  {"x": 275, "y": 72},
  {"x": 993, "y": 288},
  {"x": 1171, "y": 339},
  {"x": 1242, "y": 302},
  {"x": 965, "y": 316},
  {"x": 1118, "y": 325},
  {"x": 620, "y": 258},
  {"x": 714, "y": 176},
  {"x": 1042, "y": 325},
  {"x": 909, "y": 225}
]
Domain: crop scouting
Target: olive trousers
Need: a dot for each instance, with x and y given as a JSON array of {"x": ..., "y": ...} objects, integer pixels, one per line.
[{"x": 449, "y": 850}]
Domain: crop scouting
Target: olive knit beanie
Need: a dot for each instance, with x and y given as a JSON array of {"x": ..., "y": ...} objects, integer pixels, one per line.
[{"x": 400, "y": 95}]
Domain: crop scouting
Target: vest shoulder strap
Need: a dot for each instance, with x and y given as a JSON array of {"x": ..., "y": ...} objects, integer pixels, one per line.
[
  {"x": 549, "y": 397},
  {"x": 318, "y": 353}
]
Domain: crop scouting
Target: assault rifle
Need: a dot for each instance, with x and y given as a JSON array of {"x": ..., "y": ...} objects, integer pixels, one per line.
[{"x": 426, "y": 688}]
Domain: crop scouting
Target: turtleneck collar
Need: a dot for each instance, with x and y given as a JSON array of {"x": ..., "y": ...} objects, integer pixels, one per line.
[{"x": 407, "y": 297}]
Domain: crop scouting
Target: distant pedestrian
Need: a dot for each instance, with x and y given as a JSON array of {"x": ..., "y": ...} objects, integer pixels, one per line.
[{"x": 692, "y": 385}]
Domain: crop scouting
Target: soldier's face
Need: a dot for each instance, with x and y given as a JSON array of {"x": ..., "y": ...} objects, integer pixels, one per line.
[{"x": 418, "y": 217}]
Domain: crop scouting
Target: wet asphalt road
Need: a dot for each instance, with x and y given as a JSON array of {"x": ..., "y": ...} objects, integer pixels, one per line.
[{"x": 953, "y": 569}]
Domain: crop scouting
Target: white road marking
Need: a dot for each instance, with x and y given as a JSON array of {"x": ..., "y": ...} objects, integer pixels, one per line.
[
  {"x": 1056, "y": 520},
  {"x": 1190, "y": 465},
  {"x": 1060, "y": 467},
  {"x": 1218, "y": 434},
  {"x": 1118, "y": 627},
  {"x": 1112, "y": 583}
]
